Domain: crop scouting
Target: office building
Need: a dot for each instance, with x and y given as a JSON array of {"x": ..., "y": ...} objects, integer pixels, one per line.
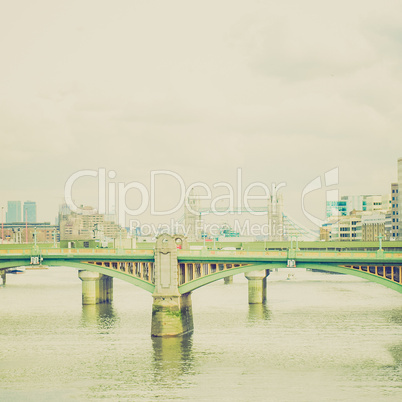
[
  {"x": 394, "y": 235},
  {"x": 13, "y": 214},
  {"x": 88, "y": 225},
  {"x": 346, "y": 205},
  {"x": 29, "y": 212},
  {"x": 25, "y": 233},
  {"x": 373, "y": 227}
]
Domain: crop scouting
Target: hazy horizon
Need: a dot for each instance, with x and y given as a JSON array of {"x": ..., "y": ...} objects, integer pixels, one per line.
[{"x": 286, "y": 92}]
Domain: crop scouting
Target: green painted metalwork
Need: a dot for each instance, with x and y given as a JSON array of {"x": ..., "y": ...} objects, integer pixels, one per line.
[
  {"x": 205, "y": 280},
  {"x": 323, "y": 259},
  {"x": 13, "y": 264},
  {"x": 105, "y": 271},
  {"x": 361, "y": 274}
]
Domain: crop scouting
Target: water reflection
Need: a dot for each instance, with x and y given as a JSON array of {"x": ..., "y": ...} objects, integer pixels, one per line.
[
  {"x": 258, "y": 312},
  {"x": 396, "y": 352},
  {"x": 396, "y": 316},
  {"x": 173, "y": 358},
  {"x": 102, "y": 316}
]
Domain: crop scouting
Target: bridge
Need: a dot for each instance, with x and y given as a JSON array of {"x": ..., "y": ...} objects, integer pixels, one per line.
[{"x": 171, "y": 271}]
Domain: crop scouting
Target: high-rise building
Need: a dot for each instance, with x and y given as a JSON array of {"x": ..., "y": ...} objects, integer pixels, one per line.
[
  {"x": 29, "y": 212},
  {"x": 400, "y": 198},
  {"x": 394, "y": 212},
  {"x": 13, "y": 214},
  {"x": 349, "y": 203},
  {"x": 346, "y": 205}
]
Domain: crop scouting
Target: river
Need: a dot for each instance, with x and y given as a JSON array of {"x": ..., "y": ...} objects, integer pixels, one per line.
[{"x": 320, "y": 337}]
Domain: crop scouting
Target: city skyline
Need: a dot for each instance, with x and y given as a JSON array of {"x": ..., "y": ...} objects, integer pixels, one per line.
[
  {"x": 283, "y": 95},
  {"x": 343, "y": 206}
]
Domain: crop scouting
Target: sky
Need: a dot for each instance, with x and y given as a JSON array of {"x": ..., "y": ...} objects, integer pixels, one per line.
[{"x": 284, "y": 91}]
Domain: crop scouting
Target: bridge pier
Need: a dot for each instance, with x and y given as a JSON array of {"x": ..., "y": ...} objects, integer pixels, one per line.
[
  {"x": 228, "y": 280},
  {"x": 257, "y": 286},
  {"x": 172, "y": 313},
  {"x": 3, "y": 276},
  {"x": 96, "y": 288},
  {"x": 172, "y": 316}
]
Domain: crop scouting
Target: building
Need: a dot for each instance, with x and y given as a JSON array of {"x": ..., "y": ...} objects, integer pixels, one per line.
[
  {"x": 29, "y": 212},
  {"x": 347, "y": 228},
  {"x": 346, "y": 205},
  {"x": 400, "y": 189},
  {"x": 325, "y": 232},
  {"x": 394, "y": 233},
  {"x": 13, "y": 214},
  {"x": 373, "y": 226},
  {"x": 25, "y": 233},
  {"x": 349, "y": 203},
  {"x": 88, "y": 225},
  {"x": 388, "y": 225},
  {"x": 375, "y": 203}
]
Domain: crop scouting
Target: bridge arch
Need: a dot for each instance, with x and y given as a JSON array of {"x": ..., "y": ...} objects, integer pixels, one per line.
[
  {"x": 350, "y": 271},
  {"x": 105, "y": 271},
  {"x": 205, "y": 280},
  {"x": 13, "y": 264}
]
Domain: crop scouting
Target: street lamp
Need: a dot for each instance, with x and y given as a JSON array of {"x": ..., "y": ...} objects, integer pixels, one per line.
[
  {"x": 204, "y": 235},
  {"x": 35, "y": 237},
  {"x": 380, "y": 239}
]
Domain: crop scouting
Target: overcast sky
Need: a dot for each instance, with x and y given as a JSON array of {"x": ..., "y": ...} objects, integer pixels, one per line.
[{"x": 284, "y": 90}]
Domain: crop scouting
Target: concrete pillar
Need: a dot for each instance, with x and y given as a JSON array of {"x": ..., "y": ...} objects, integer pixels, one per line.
[
  {"x": 228, "y": 280},
  {"x": 171, "y": 311},
  {"x": 172, "y": 316},
  {"x": 3, "y": 276},
  {"x": 96, "y": 288},
  {"x": 257, "y": 286},
  {"x": 90, "y": 286},
  {"x": 109, "y": 288}
]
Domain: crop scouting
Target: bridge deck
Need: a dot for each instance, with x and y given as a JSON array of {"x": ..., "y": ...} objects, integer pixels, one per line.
[{"x": 195, "y": 264}]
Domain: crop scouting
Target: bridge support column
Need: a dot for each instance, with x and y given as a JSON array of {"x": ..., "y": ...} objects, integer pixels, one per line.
[
  {"x": 108, "y": 285},
  {"x": 172, "y": 313},
  {"x": 228, "y": 280},
  {"x": 257, "y": 286},
  {"x": 96, "y": 288},
  {"x": 3, "y": 276},
  {"x": 172, "y": 316}
]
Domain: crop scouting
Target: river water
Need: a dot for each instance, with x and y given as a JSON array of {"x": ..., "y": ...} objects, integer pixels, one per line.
[{"x": 320, "y": 337}]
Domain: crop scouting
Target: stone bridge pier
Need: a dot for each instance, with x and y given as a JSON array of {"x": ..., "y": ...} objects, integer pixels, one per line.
[
  {"x": 257, "y": 286},
  {"x": 96, "y": 288},
  {"x": 172, "y": 312}
]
